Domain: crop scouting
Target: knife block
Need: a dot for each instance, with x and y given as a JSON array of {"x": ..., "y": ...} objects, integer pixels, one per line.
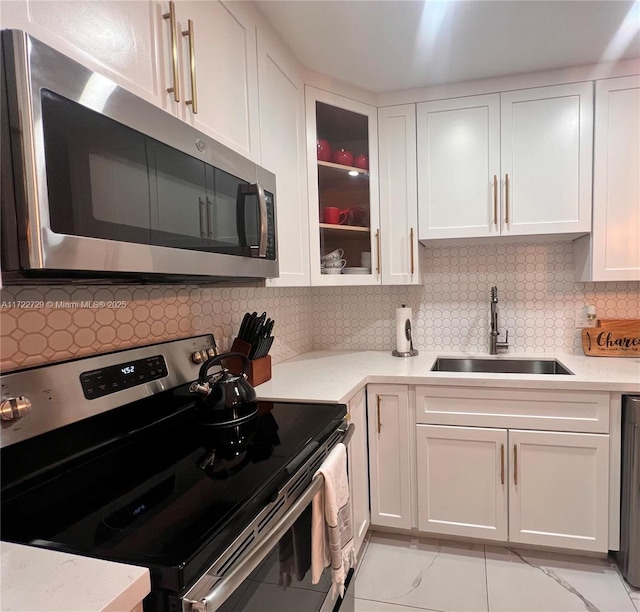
[{"x": 259, "y": 370}]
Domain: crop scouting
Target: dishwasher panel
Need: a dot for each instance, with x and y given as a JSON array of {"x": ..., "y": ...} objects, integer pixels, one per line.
[{"x": 629, "y": 555}]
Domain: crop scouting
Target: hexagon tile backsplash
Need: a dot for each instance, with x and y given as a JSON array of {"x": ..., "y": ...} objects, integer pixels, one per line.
[
  {"x": 43, "y": 324},
  {"x": 538, "y": 303}
]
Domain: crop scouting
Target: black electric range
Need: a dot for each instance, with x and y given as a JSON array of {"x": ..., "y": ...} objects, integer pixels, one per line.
[{"x": 146, "y": 481}]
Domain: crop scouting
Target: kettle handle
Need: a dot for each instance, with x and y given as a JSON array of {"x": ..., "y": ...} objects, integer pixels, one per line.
[{"x": 204, "y": 368}]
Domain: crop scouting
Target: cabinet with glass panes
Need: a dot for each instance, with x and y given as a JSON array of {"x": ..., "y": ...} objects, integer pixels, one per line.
[{"x": 343, "y": 190}]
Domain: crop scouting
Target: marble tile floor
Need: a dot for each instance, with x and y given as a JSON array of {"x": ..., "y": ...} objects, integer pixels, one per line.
[{"x": 404, "y": 574}]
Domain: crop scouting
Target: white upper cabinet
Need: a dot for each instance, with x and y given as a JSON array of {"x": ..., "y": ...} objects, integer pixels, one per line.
[
  {"x": 459, "y": 167},
  {"x": 118, "y": 39},
  {"x": 612, "y": 253},
  {"x": 223, "y": 56},
  {"x": 398, "y": 195},
  {"x": 516, "y": 163},
  {"x": 282, "y": 143},
  {"x": 344, "y": 206},
  {"x": 196, "y": 60},
  {"x": 546, "y": 158}
]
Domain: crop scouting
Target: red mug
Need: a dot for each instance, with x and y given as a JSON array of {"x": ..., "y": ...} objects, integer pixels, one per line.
[
  {"x": 362, "y": 161},
  {"x": 354, "y": 216},
  {"x": 342, "y": 157},
  {"x": 324, "y": 150},
  {"x": 331, "y": 214}
]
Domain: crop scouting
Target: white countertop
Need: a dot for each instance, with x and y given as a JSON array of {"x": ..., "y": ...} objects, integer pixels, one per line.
[
  {"x": 335, "y": 376},
  {"x": 42, "y": 580},
  {"x": 49, "y": 581}
]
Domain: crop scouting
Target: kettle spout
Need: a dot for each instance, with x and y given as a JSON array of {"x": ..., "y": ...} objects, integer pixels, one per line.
[{"x": 200, "y": 388}]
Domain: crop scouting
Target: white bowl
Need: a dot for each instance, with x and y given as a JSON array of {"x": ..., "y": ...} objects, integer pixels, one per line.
[{"x": 332, "y": 270}]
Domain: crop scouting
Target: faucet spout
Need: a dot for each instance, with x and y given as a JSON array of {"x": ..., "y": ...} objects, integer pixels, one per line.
[{"x": 494, "y": 344}]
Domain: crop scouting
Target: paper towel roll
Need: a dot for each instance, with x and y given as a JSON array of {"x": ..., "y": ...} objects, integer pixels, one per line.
[{"x": 402, "y": 342}]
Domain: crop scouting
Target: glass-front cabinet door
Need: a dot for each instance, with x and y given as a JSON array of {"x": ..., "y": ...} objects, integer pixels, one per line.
[{"x": 343, "y": 190}]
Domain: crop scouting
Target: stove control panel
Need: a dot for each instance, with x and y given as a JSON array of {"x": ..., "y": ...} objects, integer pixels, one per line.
[
  {"x": 12, "y": 408},
  {"x": 101, "y": 382},
  {"x": 202, "y": 356}
]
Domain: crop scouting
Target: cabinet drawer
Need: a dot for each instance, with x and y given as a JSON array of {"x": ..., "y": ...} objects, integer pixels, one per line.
[{"x": 517, "y": 409}]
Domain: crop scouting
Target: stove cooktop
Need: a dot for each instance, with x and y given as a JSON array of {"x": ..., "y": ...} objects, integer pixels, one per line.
[{"x": 149, "y": 484}]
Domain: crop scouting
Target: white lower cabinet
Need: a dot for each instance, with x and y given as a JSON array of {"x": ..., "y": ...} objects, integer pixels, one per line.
[
  {"x": 535, "y": 487},
  {"x": 359, "y": 469},
  {"x": 390, "y": 457},
  {"x": 461, "y": 481},
  {"x": 558, "y": 491}
]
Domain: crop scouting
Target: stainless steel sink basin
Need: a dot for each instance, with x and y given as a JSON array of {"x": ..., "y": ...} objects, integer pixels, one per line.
[{"x": 499, "y": 366}]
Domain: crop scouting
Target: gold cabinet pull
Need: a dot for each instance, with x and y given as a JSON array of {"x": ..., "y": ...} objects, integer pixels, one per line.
[
  {"x": 495, "y": 200},
  {"x": 515, "y": 464},
  {"x": 171, "y": 16},
  {"x": 378, "y": 243},
  {"x": 506, "y": 198},
  {"x": 411, "y": 243},
  {"x": 192, "y": 68},
  {"x": 379, "y": 419},
  {"x": 502, "y": 464}
]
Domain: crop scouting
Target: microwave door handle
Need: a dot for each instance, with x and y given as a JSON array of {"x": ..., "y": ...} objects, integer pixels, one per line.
[
  {"x": 257, "y": 190},
  {"x": 262, "y": 200},
  {"x": 203, "y": 218},
  {"x": 209, "y": 218}
]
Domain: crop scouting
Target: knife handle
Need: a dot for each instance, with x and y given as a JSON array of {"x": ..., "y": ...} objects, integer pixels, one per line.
[{"x": 243, "y": 325}]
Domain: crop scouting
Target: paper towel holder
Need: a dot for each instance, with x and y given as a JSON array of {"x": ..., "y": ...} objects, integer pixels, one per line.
[{"x": 411, "y": 352}]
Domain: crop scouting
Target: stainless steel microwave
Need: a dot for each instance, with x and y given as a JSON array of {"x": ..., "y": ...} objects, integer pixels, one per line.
[{"x": 99, "y": 183}]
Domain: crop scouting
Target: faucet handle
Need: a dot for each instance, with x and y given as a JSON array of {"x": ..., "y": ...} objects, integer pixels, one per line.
[{"x": 505, "y": 344}]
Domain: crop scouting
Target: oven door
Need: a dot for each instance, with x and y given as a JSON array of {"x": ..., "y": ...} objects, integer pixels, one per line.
[{"x": 271, "y": 573}]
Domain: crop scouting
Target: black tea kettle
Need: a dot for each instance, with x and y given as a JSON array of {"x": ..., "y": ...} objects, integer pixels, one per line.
[{"x": 225, "y": 397}]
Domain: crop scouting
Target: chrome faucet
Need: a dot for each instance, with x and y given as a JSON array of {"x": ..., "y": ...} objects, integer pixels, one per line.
[{"x": 494, "y": 343}]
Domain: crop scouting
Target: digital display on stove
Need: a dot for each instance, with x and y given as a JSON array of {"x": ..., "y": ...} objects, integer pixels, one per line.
[{"x": 98, "y": 383}]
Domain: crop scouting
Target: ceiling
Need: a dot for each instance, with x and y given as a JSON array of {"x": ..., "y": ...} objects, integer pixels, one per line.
[{"x": 384, "y": 46}]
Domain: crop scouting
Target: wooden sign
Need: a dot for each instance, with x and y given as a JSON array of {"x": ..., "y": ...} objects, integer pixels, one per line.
[{"x": 612, "y": 338}]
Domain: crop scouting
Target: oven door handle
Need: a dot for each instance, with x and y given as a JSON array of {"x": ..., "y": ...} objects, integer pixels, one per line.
[{"x": 231, "y": 581}]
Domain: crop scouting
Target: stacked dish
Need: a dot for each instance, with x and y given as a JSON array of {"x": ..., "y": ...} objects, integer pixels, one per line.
[{"x": 357, "y": 270}]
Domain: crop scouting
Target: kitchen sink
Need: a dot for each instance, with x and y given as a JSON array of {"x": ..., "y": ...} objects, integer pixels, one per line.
[{"x": 499, "y": 366}]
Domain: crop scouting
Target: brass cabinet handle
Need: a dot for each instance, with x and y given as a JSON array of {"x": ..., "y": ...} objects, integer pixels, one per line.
[
  {"x": 502, "y": 464},
  {"x": 495, "y": 200},
  {"x": 378, "y": 242},
  {"x": 171, "y": 16},
  {"x": 506, "y": 198},
  {"x": 192, "y": 68},
  {"x": 515, "y": 464},
  {"x": 379, "y": 419},
  {"x": 411, "y": 243}
]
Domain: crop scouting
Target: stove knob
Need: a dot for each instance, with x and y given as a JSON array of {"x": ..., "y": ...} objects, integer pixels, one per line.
[
  {"x": 199, "y": 356},
  {"x": 13, "y": 408},
  {"x": 211, "y": 352}
]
